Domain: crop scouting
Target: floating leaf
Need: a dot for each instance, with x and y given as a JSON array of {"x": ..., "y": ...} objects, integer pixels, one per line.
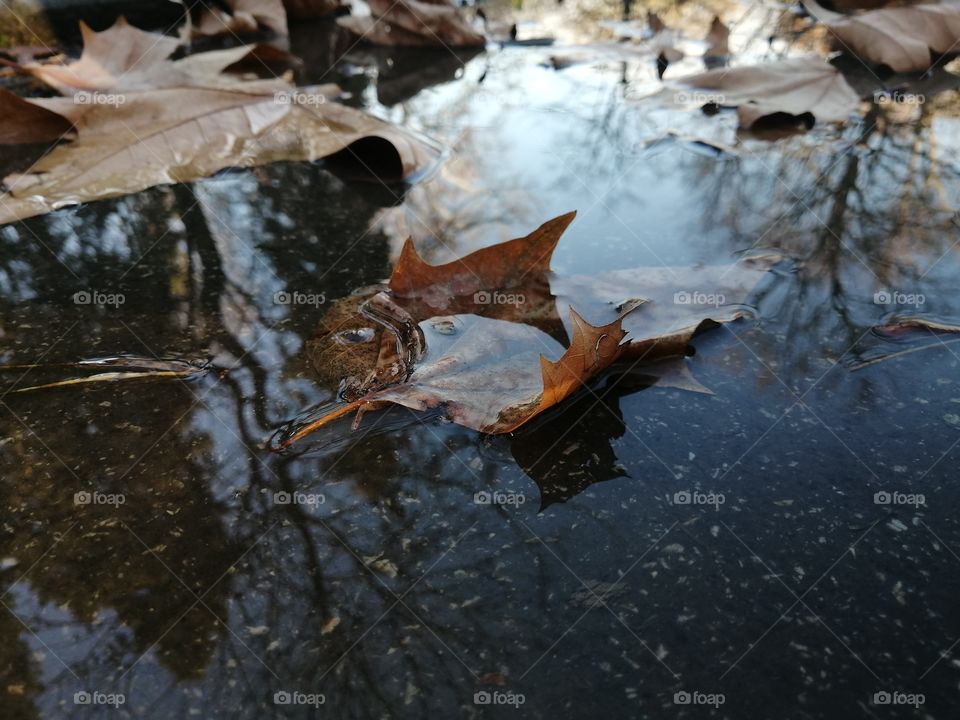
[
  {"x": 803, "y": 88},
  {"x": 181, "y": 134},
  {"x": 494, "y": 369},
  {"x": 901, "y": 38}
]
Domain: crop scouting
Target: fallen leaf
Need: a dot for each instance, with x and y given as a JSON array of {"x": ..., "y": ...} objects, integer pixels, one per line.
[
  {"x": 901, "y": 38},
  {"x": 413, "y": 23},
  {"x": 502, "y": 266},
  {"x": 177, "y": 135},
  {"x": 494, "y": 371},
  {"x": 143, "y": 119},
  {"x": 243, "y": 18},
  {"x": 801, "y": 88},
  {"x": 108, "y": 55},
  {"x": 592, "y": 350},
  {"x": 368, "y": 331},
  {"x": 125, "y": 58}
]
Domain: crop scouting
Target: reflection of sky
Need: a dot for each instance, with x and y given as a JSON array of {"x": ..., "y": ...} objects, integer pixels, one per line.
[{"x": 856, "y": 213}]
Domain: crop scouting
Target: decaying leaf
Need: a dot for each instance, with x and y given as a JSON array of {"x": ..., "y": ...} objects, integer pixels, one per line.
[
  {"x": 369, "y": 340},
  {"x": 494, "y": 369},
  {"x": 243, "y": 18},
  {"x": 901, "y": 38},
  {"x": 802, "y": 88},
  {"x": 413, "y": 23}
]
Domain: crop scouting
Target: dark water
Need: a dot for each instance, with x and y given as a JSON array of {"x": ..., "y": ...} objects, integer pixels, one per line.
[{"x": 385, "y": 589}]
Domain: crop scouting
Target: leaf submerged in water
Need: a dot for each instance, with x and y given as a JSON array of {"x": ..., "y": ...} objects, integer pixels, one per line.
[{"x": 483, "y": 339}]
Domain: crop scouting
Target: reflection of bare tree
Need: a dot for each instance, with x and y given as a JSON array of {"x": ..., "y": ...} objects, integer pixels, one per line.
[
  {"x": 874, "y": 215},
  {"x": 201, "y": 582}
]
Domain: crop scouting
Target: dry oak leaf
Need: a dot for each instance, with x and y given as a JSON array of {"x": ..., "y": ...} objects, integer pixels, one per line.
[
  {"x": 800, "y": 87},
  {"x": 901, "y": 38},
  {"x": 489, "y": 375},
  {"x": 413, "y": 23},
  {"x": 370, "y": 339},
  {"x": 493, "y": 372},
  {"x": 499, "y": 267}
]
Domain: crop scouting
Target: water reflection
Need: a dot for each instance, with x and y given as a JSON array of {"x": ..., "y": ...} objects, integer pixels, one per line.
[{"x": 222, "y": 578}]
